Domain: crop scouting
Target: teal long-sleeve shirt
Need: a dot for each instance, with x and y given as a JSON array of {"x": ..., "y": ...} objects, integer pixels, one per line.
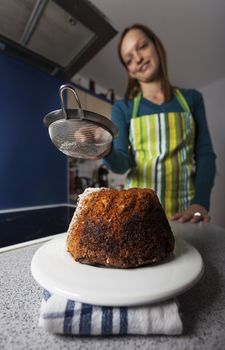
[{"x": 119, "y": 160}]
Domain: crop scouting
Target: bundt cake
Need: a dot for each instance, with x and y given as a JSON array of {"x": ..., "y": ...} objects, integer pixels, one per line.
[{"x": 119, "y": 228}]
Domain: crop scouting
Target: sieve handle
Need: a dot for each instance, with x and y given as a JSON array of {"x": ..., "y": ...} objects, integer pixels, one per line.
[{"x": 72, "y": 89}]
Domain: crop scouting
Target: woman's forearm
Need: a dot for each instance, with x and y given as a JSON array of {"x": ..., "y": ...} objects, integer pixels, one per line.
[
  {"x": 204, "y": 179},
  {"x": 117, "y": 161}
]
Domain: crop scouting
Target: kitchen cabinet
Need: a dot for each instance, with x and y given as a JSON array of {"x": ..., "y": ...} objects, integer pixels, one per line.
[
  {"x": 90, "y": 102},
  {"x": 80, "y": 172},
  {"x": 71, "y": 102},
  {"x": 98, "y": 106}
]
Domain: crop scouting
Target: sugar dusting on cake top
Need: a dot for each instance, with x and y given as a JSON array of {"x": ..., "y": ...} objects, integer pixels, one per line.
[
  {"x": 90, "y": 190},
  {"x": 81, "y": 198}
]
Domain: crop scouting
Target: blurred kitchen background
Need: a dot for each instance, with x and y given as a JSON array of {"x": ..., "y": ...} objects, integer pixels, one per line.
[{"x": 45, "y": 43}]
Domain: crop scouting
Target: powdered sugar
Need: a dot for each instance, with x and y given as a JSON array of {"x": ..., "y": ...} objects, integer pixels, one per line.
[
  {"x": 80, "y": 204},
  {"x": 78, "y": 150},
  {"x": 88, "y": 191},
  {"x": 83, "y": 149}
]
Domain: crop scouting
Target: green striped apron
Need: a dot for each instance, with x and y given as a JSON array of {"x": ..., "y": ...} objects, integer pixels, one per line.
[{"x": 162, "y": 145}]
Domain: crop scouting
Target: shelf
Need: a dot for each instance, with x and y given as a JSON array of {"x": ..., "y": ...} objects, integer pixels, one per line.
[{"x": 89, "y": 92}]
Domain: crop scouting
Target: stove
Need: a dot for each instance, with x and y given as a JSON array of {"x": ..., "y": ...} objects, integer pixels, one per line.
[{"x": 32, "y": 225}]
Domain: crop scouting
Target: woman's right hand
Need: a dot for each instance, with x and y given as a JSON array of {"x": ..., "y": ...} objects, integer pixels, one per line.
[
  {"x": 86, "y": 134},
  {"x": 92, "y": 135}
]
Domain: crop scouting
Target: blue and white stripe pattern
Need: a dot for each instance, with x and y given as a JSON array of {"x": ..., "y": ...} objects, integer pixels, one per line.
[{"x": 61, "y": 316}]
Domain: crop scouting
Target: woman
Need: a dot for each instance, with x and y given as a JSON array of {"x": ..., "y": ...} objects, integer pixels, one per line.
[{"x": 163, "y": 135}]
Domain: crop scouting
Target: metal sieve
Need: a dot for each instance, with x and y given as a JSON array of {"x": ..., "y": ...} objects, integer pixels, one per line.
[{"x": 79, "y": 133}]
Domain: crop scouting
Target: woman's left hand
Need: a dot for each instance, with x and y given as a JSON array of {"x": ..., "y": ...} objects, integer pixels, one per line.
[{"x": 194, "y": 214}]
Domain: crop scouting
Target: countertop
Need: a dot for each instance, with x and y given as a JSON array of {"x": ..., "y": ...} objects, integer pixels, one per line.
[{"x": 202, "y": 307}]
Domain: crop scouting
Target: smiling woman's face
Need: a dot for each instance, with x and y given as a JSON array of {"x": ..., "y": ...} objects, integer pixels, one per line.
[{"x": 140, "y": 57}]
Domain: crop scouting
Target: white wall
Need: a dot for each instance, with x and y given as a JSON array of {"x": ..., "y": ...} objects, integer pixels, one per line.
[{"x": 214, "y": 96}]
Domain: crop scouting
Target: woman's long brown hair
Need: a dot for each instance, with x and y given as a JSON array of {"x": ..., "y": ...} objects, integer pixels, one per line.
[{"x": 133, "y": 86}]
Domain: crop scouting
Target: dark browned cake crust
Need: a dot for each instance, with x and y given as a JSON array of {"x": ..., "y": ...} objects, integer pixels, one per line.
[{"x": 119, "y": 228}]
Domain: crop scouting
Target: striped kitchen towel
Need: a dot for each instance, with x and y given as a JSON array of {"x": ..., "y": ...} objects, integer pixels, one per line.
[{"x": 61, "y": 316}]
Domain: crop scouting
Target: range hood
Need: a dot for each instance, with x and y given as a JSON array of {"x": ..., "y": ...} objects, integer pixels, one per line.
[{"x": 58, "y": 36}]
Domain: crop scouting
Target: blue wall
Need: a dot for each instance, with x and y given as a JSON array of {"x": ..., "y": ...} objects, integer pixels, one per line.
[{"x": 32, "y": 171}]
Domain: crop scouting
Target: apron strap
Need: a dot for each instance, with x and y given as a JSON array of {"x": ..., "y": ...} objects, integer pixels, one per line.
[
  {"x": 136, "y": 103},
  {"x": 182, "y": 101}
]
